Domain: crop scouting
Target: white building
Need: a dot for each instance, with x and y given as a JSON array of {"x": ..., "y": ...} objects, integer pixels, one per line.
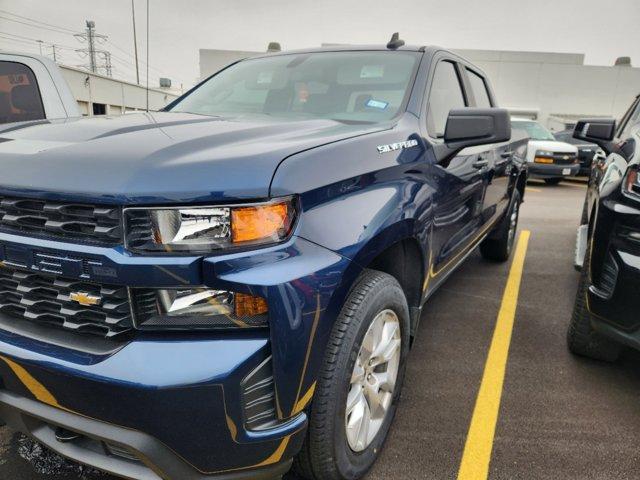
[
  {"x": 101, "y": 95},
  {"x": 555, "y": 88}
]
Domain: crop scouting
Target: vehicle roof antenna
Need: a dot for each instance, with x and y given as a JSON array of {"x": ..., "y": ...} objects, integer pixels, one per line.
[{"x": 395, "y": 41}]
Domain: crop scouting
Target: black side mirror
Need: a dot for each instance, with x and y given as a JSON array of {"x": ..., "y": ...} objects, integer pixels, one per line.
[
  {"x": 600, "y": 131},
  {"x": 469, "y": 127}
]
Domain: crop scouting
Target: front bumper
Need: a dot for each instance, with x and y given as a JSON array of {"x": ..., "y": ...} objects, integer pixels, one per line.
[
  {"x": 613, "y": 296},
  {"x": 113, "y": 449},
  {"x": 541, "y": 170},
  {"x": 179, "y": 391}
]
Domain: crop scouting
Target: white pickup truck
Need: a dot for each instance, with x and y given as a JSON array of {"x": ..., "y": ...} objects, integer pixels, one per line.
[{"x": 32, "y": 89}]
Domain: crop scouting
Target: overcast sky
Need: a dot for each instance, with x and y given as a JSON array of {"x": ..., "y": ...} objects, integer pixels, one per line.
[{"x": 603, "y": 30}]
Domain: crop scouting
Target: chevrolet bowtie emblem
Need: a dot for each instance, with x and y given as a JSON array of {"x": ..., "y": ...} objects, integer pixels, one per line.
[{"x": 86, "y": 299}]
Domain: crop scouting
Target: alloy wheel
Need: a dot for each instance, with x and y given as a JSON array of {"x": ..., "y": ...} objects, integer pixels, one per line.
[{"x": 373, "y": 380}]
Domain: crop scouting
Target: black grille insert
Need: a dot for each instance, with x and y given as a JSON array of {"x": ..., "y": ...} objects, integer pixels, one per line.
[
  {"x": 258, "y": 397},
  {"x": 46, "y": 299},
  {"x": 100, "y": 224},
  {"x": 609, "y": 276}
]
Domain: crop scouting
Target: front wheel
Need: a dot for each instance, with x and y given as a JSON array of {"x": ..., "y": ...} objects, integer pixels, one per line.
[
  {"x": 359, "y": 384},
  {"x": 499, "y": 246}
]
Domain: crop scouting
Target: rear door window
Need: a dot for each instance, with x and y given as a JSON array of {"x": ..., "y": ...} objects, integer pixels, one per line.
[
  {"x": 20, "y": 98},
  {"x": 445, "y": 95},
  {"x": 479, "y": 89}
]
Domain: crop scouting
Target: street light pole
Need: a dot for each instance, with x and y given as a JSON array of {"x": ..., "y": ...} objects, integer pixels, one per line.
[{"x": 135, "y": 40}]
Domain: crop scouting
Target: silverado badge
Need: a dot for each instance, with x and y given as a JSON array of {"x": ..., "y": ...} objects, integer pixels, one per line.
[
  {"x": 390, "y": 147},
  {"x": 86, "y": 299}
]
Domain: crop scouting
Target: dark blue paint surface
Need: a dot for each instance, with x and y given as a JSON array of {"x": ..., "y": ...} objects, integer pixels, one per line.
[{"x": 354, "y": 203}]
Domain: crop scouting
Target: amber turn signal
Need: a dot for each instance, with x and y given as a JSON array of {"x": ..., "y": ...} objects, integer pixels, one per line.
[
  {"x": 262, "y": 222},
  {"x": 249, "y": 306},
  {"x": 543, "y": 160}
]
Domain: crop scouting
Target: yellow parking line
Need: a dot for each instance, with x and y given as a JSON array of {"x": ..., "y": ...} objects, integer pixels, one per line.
[
  {"x": 575, "y": 184},
  {"x": 530, "y": 189},
  {"x": 479, "y": 444}
]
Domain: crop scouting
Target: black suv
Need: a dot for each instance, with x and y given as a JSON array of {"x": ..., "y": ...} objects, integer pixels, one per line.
[
  {"x": 586, "y": 150},
  {"x": 607, "y": 309}
]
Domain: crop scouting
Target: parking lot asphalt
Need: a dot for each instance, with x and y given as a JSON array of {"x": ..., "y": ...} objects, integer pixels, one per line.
[{"x": 559, "y": 416}]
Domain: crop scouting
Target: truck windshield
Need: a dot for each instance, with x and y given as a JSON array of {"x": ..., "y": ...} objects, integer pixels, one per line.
[
  {"x": 345, "y": 86},
  {"x": 533, "y": 130}
]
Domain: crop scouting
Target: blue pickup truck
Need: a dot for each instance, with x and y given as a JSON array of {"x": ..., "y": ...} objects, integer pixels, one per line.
[{"x": 231, "y": 286}]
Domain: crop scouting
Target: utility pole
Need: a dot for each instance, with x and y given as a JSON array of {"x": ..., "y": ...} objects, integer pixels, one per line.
[
  {"x": 92, "y": 38},
  {"x": 53, "y": 49},
  {"x": 107, "y": 63},
  {"x": 40, "y": 45},
  {"x": 135, "y": 40},
  {"x": 147, "y": 55},
  {"x": 91, "y": 25}
]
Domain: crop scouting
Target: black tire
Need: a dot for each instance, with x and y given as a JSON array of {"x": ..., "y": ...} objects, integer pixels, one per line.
[
  {"x": 552, "y": 181},
  {"x": 582, "y": 339},
  {"x": 326, "y": 454},
  {"x": 584, "y": 217},
  {"x": 499, "y": 245}
]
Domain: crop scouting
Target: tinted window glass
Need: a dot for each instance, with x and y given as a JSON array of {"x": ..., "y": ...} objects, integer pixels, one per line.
[
  {"x": 445, "y": 95},
  {"x": 19, "y": 94},
  {"x": 635, "y": 118},
  {"x": 533, "y": 130},
  {"x": 347, "y": 86},
  {"x": 626, "y": 117},
  {"x": 479, "y": 89}
]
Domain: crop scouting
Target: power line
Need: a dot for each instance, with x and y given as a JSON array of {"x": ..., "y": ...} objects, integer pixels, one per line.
[
  {"x": 35, "y": 26},
  {"x": 58, "y": 45},
  {"x": 38, "y": 21}
]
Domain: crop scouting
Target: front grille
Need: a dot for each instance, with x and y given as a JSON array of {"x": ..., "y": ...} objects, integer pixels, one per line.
[
  {"x": 564, "y": 158},
  {"x": 45, "y": 299},
  {"x": 69, "y": 221},
  {"x": 139, "y": 228}
]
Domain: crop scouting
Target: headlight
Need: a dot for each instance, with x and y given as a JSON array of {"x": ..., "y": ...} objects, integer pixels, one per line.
[
  {"x": 193, "y": 308},
  {"x": 543, "y": 156},
  {"x": 203, "y": 229},
  {"x": 544, "y": 153}
]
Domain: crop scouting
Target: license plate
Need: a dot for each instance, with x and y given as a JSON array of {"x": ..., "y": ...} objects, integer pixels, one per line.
[{"x": 566, "y": 171}]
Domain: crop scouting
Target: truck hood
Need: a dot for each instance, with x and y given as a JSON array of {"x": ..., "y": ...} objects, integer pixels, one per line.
[
  {"x": 555, "y": 146},
  {"x": 159, "y": 157}
]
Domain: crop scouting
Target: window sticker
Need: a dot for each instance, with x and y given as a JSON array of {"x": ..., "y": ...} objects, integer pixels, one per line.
[
  {"x": 377, "y": 104},
  {"x": 372, "y": 71},
  {"x": 265, "y": 77}
]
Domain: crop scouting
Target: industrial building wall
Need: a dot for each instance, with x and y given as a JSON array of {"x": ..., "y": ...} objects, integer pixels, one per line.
[
  {"x": 100, "y": 95},
  {"x": 544, "y": 86}
]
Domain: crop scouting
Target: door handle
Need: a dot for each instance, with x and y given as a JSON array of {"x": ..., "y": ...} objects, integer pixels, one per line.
[
  {"x": 506, "y": 154},
  {"x": 481, "y": 163}
]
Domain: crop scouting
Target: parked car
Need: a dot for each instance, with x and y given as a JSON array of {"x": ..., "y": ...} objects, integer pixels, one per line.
[
  {"x": 605, "y": 316},
  {"x": 548, "y": 159},
  {"x": 586, "y": 150},
  {"x": 215, "y": 289},
  {"x": 33, "y": 89}
]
